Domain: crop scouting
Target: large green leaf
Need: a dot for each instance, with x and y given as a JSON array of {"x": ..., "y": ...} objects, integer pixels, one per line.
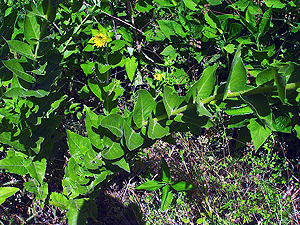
[
  {"x": 260, "y": 106},
  {"x": 36, "y": 169},
  {"x": 266, "y": 76},
  {"x": 123, "y": 164},
  {"x": 14, "y": 164},
  {"x": 182, "y": 186},
  {"x": 204, "y": 87},
  {"x": 78, "y": 145},
  {"x": 237, "y": 78},
  {"x": 17, "y": 91},
  {"x": 131, "y": 66},
  {"x": 143, "y": 108},
  {"x": 97, "y": 89},
  {"x": 14, "y": 66},
  {"x": 275, "y": 4},
  {"x": 171, "y": 100},
  {"x": 264, "y": 24},
  {"x": 113, "y": 122},
  {"x": 151, "y": 185},
  {"x": 132, "y": 138},
  {"x": 21, "y": 48},
  {"x": 171, "y": 28},
  {"x": 167, "y": 197},
  {"x": 113, "y": 149},
  {"x": 190, "y": 4},
  {"x": 59, "y": 200},
  {"x": 6, "y": 192},
  {"x": 92, "y": 160},
  {"x": 165, "y": 171},
  {"x": 259, "y": 133},
  {"x": 155, "y": 130},
  {"x": 6, "y": 138},
  {"x": 32, "y": 30},
  {"x": 80, "y": 210},
  {"x": 93, "y": 120}
]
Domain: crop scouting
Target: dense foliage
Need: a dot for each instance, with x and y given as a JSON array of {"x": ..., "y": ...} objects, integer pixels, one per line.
[{"x": 115, "y": 76}]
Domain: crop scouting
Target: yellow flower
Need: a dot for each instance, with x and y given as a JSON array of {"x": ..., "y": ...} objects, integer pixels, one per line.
[
  {"x": 159, "y": 76},
  {"x": 100, "y": 40}
]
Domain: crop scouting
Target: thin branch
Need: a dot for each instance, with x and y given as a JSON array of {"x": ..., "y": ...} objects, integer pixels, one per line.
[{"x": 122, "y": 21}]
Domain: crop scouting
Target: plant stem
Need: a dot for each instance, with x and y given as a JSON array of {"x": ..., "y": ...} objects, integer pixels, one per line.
[{"x": 291, "y": 86}]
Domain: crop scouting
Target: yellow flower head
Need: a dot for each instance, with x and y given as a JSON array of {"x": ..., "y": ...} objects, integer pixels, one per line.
[
  {"x": 100, "y": 37},
  {"x": 100, "y": 40},
  {"x": 159, "y": 76}
]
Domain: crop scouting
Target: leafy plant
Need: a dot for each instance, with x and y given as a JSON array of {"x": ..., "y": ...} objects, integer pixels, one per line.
[
  {"x": 165, "y": 184},
  {"x": 98, "y": 58}
]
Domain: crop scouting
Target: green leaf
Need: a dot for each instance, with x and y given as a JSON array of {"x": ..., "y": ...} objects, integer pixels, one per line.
[
  {"x": 170, "y": 27},
  {"x": 169, "y": 51},
  {"x": 191, "y": 5},
  {"x": 248, "y": 25},
  {"x": 113, "y": 149},
  {"x": 32, "y": 30},
  {"x": 237, "y": 78},
  {"x": 14, "y": 66},
  {"x": 93, "y": 120},
  {"x": 113, "y": 122},
  {"x": 266, "y": 76},
  {"x": 131, "y": 66},
  {"x": 280, "y": 81},
  {"x": 144, "y": 5},
  {"x": 235, "y": 30},
  {"x": 264, "y": 24},
  {"x": 96, "y": 88},
  {"x": 80, "y": 210},
  {"x": 155, "y": 130},
  {"x": 17, "y": 91},
  {"x": 116, "y": 45},
  {"x": 143, "y": 108},
  {"x": 259, "y": 133},
  {"x": 166, "y": 199},
  {"x": 123, "y": 164},
  {"x": 275, "y": 4},
  {"x": 151, "y": 185},
  {"x": 241, "y": 5},
  {"x": 6, "y": 192},
  {"x": 165, "y": 171},
  {"x": 133, "y": 139},
  {"x": 14, "y": 164},
  {"x": 171, "y": 100},
  {"x": 182, "y": 186},
  {"x": 282, "y": 121},
  {"x": 36, "y": 169},
  {"x": 204, "y": 87},
  {"x": 39, "y": 189},
  {"x": 214, "y": 2},
  {"x": 260, "y": 106},
  {"x": 251, "y": 12},
  {"x": 164, "y": 3},
  {"x": 59, "y": 200},
  {"x": 92, "y": 160},
  {"x": 78, "y": 145},
  {"x": 297, "y": 129},
  {"x": 21, "y": 48},
  {"x": 88, "y": 67},
  {"x": 6, "y": 138}
]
